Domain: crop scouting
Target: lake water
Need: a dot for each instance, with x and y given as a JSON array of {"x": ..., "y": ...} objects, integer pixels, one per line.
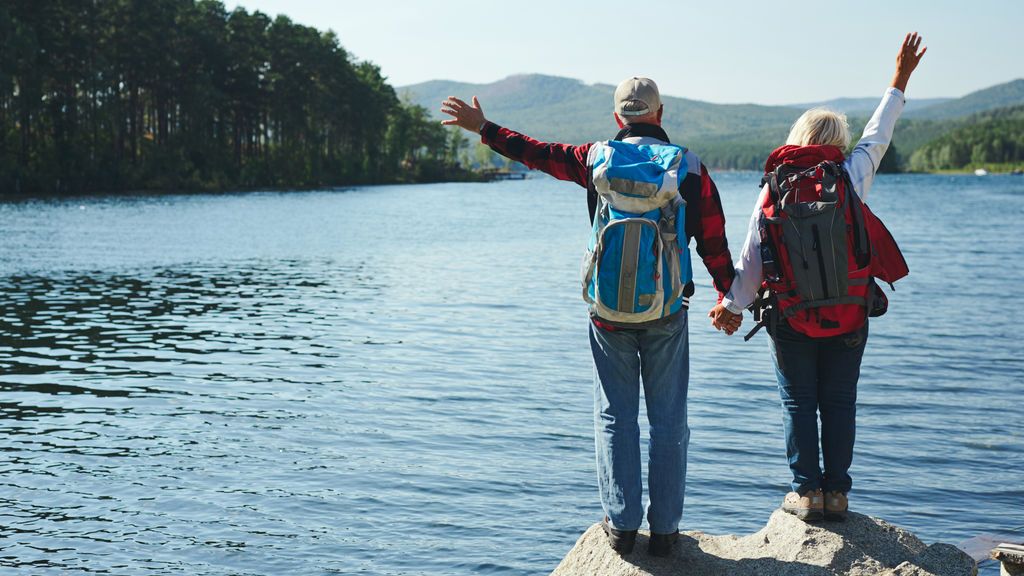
[{"x": 397, "y": 380}]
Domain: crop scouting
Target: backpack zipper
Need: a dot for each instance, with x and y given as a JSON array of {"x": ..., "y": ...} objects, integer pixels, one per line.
[{"x": 821, "y": 260}]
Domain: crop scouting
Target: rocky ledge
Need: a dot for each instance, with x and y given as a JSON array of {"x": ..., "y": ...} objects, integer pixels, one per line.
[{"x": 860, "y": 546}]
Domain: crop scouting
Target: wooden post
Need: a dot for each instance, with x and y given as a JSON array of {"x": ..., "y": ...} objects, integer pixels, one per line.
[{"x": 1011, "y": 558}]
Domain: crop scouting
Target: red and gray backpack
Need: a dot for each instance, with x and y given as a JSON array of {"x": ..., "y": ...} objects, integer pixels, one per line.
[{"x": 821, "y": 246}]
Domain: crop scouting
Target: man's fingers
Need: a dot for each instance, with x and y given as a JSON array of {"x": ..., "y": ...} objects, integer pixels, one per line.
[
  {"x": 476, "y": 104},
  {"x": 454, "y": 104},
  {"x": 923, "y": 50},
  {"x": 449, "y": 122}
]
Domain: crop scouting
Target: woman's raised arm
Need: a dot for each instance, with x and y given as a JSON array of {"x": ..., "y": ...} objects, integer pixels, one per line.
[{"x": 863, "y": 161}]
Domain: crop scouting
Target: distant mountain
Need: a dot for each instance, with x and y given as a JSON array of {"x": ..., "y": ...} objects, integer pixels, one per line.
[
  {"x": 998, "y": 96},
  {"x": 725, "y": 135},
  {"x": 567, "y": 110},
  {"x": 865, "y": 106}
]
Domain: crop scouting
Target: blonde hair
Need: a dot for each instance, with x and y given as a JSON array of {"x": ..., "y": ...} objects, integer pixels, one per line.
[{"x": 820, "y": 126}]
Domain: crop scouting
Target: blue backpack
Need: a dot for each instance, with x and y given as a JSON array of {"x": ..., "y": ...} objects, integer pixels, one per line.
[{"x": 637, "y": 265}]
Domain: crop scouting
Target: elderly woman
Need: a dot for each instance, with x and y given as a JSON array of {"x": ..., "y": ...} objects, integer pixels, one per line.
[{"x": 808, "y": 246}]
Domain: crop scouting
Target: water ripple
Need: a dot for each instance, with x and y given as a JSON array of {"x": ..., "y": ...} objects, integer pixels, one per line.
[{"x": 283, "y": 384}]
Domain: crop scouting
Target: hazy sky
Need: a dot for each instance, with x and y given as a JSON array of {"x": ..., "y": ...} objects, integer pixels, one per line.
[{"x": 768, "y": 52}]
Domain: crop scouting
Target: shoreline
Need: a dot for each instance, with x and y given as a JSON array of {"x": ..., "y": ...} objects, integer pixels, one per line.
[{"x": 14, "y": 196}]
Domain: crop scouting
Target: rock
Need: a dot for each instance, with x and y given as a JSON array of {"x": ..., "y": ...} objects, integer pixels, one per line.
[{"x": 861, "y": 546}]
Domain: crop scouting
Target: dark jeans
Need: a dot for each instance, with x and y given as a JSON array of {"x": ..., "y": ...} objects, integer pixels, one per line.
[{"x": 818, "y": 376}]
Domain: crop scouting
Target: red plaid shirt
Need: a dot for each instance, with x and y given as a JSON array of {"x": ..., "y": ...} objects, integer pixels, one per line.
[{"x": 705, "y": 224}]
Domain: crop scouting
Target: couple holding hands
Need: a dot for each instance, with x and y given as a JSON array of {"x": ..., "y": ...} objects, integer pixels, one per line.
[{"x": 807, "y": 270}]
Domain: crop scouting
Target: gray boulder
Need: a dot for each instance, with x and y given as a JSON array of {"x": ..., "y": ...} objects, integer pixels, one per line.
[{"x": 860, "y": 546}]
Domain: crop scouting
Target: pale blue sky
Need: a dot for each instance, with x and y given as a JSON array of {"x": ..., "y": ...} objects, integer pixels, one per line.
[{"x": 768, "y": 52}]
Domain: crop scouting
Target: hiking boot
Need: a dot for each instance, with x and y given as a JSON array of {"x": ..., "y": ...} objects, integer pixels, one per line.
[
  {"x": 661, "y": 544},
  {"x": 621, "y": 541},
  {"x": 836, "y": 506},
  {"x": 809, "y": 507}
]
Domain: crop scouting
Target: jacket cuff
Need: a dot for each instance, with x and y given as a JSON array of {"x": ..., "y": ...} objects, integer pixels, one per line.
[
  {"x": 896, "y": 92},
  {"x": 488, "y": 131},
  {"x": 731, "y": 306}
]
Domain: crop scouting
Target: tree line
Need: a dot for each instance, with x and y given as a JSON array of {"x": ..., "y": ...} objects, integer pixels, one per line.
[
  {"x": 989, "y": 138},
  {"x": 112, "y": 95}
]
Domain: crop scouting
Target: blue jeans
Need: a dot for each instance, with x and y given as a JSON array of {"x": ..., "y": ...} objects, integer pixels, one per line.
[
  {"x": 660, "y": 356},
  {"x": 818, "y": 376}
]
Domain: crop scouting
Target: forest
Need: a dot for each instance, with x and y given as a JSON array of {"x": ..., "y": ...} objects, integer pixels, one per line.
[
  {"x": 993, "y": 139},
  {"x": 126, "y": 95}
]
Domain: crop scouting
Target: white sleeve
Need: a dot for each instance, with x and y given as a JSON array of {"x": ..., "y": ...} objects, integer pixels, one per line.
[
  {"x": 863, "y": 161},
  {"x": 748, "y": 268}
]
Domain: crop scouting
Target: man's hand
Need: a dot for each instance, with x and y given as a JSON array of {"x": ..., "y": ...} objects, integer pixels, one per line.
[
  {"x": 465, "y": 116},
  {"x": 907, "y": 60},
  {"x": 723, "y": 319}
]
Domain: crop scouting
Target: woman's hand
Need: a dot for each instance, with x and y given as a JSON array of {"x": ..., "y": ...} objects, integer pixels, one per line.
[
  {"x": 465, "y": 116},
  {"x": 907, "y": 60},
  {"x": 723, "y": 319}
]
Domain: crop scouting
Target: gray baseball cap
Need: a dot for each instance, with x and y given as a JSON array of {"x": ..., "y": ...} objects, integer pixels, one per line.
[{"x": 637, "y": 97}]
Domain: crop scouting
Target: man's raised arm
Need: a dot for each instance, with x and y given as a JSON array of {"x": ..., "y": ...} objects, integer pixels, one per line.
[{"x": 563, "y": 161}]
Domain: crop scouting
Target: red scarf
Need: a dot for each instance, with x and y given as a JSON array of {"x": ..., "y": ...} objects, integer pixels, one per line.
[{"x": 802, "y": 156}]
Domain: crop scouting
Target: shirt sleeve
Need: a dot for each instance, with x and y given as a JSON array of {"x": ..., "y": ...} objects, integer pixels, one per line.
[
  {"x": 864, "y": 160},
  {"x": 563, "y": 161},
  {"x": 748, "y": 267},
  {"x": 706, "y": 225}
]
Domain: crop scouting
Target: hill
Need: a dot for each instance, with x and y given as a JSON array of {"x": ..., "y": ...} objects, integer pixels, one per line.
[
  {"x": 725, "y": 135},
  {"x": 991, "y": 139},
  {"x": 865, "y": 106},
  {"x": 567, "y": 110},
  {"x": 998, "y": 96}
]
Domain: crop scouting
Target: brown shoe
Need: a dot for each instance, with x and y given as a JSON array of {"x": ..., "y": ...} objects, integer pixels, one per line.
[
  {"x": 836, "y": 506},
  {"x": 809, "y": 507}
]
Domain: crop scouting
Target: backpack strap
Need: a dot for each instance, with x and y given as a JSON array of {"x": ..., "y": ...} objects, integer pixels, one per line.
[
  {"x": 671, "y": 246},
  {"x": 769, "y": 253},
  {"x": 831, "y": 173},
  {"x": 861, "y": 242}
]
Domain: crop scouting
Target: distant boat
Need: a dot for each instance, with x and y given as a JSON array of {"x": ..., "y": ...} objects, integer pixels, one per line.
[{"x": 981, "y": 172}]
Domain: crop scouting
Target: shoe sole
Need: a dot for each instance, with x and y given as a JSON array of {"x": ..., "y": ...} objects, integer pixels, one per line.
[
  {"x": 805, "y": 514},
  {"x": 836, "y": 515},
  {"x": 661, "y": 550}
]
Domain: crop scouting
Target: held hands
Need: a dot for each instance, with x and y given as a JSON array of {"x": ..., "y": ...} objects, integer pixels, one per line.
[
  {"x": 723, "y": 319},
  {"x": 465, "y": 116},
  {"x": 907, "y": 60}
]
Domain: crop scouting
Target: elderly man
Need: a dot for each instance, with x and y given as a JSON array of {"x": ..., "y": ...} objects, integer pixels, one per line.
[{"x": 656, "y": 352}]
